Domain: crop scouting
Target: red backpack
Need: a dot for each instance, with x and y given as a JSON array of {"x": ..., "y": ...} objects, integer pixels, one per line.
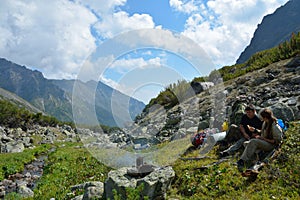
[{"x": 198, "y": 138}]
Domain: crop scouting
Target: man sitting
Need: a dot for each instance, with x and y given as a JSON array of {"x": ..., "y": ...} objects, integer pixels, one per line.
[{"x": 247, "y": 129}]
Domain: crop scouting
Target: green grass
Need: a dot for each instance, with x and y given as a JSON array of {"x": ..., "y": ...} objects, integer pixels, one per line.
[
  {"x": 278, "y": 180},
  {"x": 11, "y": 163},
  {"x": 69, "y": 165}
]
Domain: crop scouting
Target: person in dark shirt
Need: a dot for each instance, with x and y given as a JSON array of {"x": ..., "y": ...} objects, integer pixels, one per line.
[
  {"x": 248, "y": 128},
  {"x": 270, "y": 138}
]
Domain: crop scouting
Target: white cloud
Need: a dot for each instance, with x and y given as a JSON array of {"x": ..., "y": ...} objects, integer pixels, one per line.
[
  {"x": 185, "y": 7},
  {"x": 52, "y": 36},
  {"x": 166, "y": 40},
  {"x": 225, "y": 27},
  {"x": 125, "y": 65},
  {"x": 113, "y": 21},
  {"x": 119, "y": 22},
  {"x": 55, "y": 36},
  {"x": 102, "y": 7}
]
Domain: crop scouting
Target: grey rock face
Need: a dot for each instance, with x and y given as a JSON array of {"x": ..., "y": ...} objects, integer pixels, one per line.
[
  {"x": 25, "y": 191},
  {"x": 14, "y": 147},
  {"x": 92, "y": 190},
  {"x": 283, "y": 22},
  {"x": 201, "y": 86},
  {"x": 155, "y": 184},
  {"x": 272, "y": 86},
  {"x": 283, "y": 111}
]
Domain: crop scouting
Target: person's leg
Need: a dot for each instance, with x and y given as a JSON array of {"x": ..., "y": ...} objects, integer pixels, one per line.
[
  {"x": 251, "y": 148},
  {"x": 233, "y": 134},
  {"x": 236, "y": 146},
  {"x": 255, "y": 144}
]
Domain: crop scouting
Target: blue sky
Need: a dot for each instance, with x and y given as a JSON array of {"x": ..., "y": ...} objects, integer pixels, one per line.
[
  {"x": 80, "y": 38},
  {"x": 160, "y": 11}
]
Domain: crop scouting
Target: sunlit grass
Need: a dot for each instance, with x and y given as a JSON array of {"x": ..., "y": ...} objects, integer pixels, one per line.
[
  {"x": 11, "y": 163},
  {"x": 69, "y": 165},
  {"x": 72, "y": 164},
  {"x": 278, "y": 180}
]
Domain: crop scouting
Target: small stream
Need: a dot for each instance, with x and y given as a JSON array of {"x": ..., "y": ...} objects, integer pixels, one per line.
[{"x": 28, "y": 178}]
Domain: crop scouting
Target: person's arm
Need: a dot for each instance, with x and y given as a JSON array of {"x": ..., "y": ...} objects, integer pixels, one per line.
[
  {"x": 255, "y": 131},
  {"x": 257, "y": 128},
  {"x": 245, "y": 135},
  {"x": 267, "y": 140},
  {"x": 276, "y": 133}
]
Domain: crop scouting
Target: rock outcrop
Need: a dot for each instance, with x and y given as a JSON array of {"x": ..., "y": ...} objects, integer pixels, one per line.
[
  {"x": 154, "y": 185},
  {"x": 92, "y": 190},
  {"x": 13, "y": 140},
  {"x": 275, "y": 86},
  {"x": 284, "y": 21}
]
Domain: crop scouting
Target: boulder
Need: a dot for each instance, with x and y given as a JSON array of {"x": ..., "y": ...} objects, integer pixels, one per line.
[
  {"x": 294, "y": 63},
  {"x": 92, "y": 190},
  {"x": 201, "y": 86},
  {"x": 14, "y": 147},
  {"x": 155, "y": 184},
  {"x": 2, "y": 190},
  {"x": 203, "y": 125},
  {"x": 25, "y": 192},
  {"x": 283, "y": 111}
]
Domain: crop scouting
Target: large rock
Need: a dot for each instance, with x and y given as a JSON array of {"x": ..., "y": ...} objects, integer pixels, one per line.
[
  {"x": 155, "y": 184},
  {"x": 14, "y": 147},
  {"x": 238, "y": 109},
  {"x": 201, "y": 86},
  {"x": 283, "y": 111},
  {"x": 92, "y": 190},
  {"x": 23, "y": 190}
]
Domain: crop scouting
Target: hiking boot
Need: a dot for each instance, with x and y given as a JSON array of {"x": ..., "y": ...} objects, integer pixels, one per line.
[{"x": 240, "y": 165}]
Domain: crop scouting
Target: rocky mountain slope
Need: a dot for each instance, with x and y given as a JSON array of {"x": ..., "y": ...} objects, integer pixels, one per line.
[
  {"x": 54, "y": 97},
  {"x": 13, "y": 98},
  {"x": 276, "y": 86},
  {"x": 274, "y": 29},
  {"x": 108, "y": 102},
  {"x": 34, "y": 88}
]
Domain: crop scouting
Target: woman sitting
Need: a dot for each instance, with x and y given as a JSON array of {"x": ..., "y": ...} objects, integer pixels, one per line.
[{"x": 270, "y": 137}]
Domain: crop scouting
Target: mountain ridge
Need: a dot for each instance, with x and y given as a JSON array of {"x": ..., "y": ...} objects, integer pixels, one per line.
[
  {"x": 6, "y": 95},
  {"x": 54, "y": 97},
  {"x": 274, "y": 29}
]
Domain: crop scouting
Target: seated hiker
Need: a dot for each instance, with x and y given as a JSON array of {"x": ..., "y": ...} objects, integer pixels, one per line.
[
  {"x": 248, "y": 128},
  {"x": 271, "y": 136}
]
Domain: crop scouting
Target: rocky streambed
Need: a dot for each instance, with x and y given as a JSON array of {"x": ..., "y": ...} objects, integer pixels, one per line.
[{"x": 24, "y": 182}]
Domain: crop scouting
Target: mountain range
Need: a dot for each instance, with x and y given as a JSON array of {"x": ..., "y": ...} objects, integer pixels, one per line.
[
  {"x": 274, "y": 29},
  {"x": 54, "y": 97}
]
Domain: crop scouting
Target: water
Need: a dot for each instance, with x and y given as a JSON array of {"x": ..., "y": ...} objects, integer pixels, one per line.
[{"x": 31, "y": 174}]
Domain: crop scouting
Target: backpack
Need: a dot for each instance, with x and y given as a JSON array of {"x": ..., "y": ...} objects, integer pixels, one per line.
[
  {"x": 198, "y": 138},
  {"x": 283, "y": 125}
]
